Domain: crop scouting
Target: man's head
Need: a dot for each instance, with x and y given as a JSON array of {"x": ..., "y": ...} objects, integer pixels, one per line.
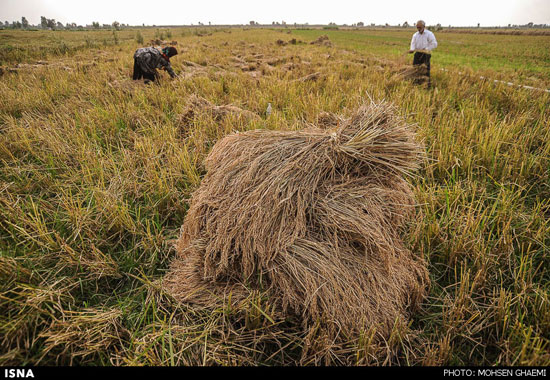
[
  {"x": 420, "y": 25},
  {"x": 170, "y": 51}
]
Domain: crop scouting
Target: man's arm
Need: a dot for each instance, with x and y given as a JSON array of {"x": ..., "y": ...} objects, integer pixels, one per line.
[{"x": 432, "y": 42}]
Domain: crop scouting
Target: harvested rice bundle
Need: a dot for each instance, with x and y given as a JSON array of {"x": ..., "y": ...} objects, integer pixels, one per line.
[
  {"x": 327, "y": 120},
  {"x": 313, "y": 217},
  {"x": 415, "y": 73}
]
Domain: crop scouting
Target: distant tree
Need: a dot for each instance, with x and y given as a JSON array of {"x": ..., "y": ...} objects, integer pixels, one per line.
[
  {"x": 478, "y": 24},
  {"x": 43, "y": 22},
  {"x": 360, "y": 23},
  {"x": 24, "y": 22},
  {"x": 530, "y": 25},
  {"x": 59, "y": 25},
  {"x": 51, "y": 23},
  {"x": 116, "y": 25},
  {"x": 252, "y": 22},
  {"x": 16, "y": 25},
  {"x": 405, "y": 24},
  {"x": 95, "y": 24}
]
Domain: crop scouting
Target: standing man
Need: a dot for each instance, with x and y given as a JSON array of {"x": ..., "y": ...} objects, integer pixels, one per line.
[
  {"x": 148, "y": 60},
  {"x": 422, "y": 44}
]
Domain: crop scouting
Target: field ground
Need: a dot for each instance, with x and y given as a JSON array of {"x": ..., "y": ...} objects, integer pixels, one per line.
[{"x": 97, "y": 170}]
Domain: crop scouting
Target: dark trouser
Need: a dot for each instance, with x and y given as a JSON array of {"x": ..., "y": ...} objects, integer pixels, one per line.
[
  {"x": 139, "y": 73},
  {"x": 422, "y": 58}
]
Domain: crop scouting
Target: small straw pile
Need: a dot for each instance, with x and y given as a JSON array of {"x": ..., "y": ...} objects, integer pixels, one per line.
[
  {"x": 322, "y": 40},
  {"x": 311, "y": 217}
]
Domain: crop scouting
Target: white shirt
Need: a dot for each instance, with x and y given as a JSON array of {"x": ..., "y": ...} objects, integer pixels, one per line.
[{"x": 424, "y": 41}]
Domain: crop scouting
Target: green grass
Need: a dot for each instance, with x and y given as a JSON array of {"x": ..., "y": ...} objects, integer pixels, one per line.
[
  {"x": 96, "y": 175},
  {"x": 516, "y": 57}
]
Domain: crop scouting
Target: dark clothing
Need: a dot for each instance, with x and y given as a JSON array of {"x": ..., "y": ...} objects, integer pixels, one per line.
[
  {"x": 422, "y": 58},
  {"x": 138, "y": 73},
  {"x": 147, "y": 60}
]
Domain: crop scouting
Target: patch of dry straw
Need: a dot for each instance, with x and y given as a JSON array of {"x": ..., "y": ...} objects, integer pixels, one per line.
[
  {"x": 197, "y": 104},
  {"x": 313, "y": 218}
]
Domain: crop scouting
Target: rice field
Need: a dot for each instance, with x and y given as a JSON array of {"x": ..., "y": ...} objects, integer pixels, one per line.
[{"x": 97, "y": 173}]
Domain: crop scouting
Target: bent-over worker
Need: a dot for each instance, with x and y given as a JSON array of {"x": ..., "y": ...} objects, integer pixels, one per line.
[{"x": 148, "y": 60}]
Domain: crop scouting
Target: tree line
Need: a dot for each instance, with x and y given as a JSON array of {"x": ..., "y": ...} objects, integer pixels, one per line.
[{"x": 52, "y": 24}]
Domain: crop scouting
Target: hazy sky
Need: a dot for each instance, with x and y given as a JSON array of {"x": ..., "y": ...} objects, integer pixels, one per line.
[{"x": 173, "y": 12}]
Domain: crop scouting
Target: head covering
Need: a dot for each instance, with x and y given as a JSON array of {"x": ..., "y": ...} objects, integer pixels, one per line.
[{"x": 169, "y": 51}]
